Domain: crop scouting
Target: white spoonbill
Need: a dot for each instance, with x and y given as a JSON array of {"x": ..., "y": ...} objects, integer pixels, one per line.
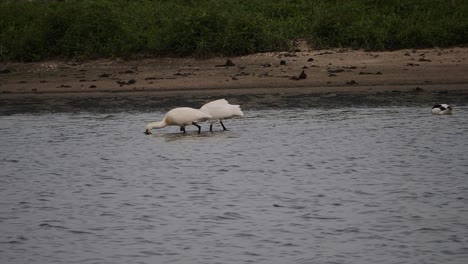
[
  {"x": 181, "y": 116},
  {"x": 442, "y": 109},
  {"x": 220, "y": 110}
]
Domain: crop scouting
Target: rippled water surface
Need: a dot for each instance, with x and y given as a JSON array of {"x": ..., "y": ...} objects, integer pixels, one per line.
[{"x": 359, "y": 184}]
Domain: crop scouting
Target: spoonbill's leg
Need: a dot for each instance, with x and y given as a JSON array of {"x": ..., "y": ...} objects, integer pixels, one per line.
[
  {"x": 182, "y": 128},
  {"x": 224, "y": 128},
  {"x": 199, "y": 127}
]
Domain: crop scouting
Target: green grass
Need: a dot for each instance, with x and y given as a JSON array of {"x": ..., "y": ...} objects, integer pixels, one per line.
[{"x": 31, "y": 31}]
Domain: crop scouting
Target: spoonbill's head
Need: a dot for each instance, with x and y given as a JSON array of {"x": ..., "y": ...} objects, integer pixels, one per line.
[
  {"x": 153, "y": 125},
  {"x": 149, "y": 127}
]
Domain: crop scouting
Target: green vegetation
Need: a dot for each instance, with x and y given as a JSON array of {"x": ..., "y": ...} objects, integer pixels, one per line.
[{"x": 35, "y": 30}]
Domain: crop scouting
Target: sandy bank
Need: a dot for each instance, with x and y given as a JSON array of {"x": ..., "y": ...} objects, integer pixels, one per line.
[{"x": 324, "y": 71}]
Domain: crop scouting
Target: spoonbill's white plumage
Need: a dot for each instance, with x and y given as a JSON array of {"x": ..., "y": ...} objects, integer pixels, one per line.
[
  {"x": 442, "y": 109},
  {"x": 220, "y": 110},
  {"x": 181, "y": 116}
]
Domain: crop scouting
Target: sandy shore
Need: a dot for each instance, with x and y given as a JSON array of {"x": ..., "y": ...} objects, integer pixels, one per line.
[{"x": 326, "y": 71}]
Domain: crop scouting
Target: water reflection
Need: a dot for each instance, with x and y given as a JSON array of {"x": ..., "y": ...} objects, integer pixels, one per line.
[
  {"x": 152, "y": 103},
  {"x": 170, "y": 136}
]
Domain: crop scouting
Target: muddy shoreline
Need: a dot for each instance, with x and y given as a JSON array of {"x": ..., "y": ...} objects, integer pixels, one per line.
[{"x": 342, "y": 77}]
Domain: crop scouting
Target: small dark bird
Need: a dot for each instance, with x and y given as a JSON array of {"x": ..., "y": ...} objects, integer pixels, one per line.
[
  {"x": 303, "y": 75},
  {"x": 228, "y": 63}
]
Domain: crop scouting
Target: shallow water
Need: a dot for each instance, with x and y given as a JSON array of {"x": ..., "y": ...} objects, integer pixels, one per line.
[{"x": 351, "y": 184}]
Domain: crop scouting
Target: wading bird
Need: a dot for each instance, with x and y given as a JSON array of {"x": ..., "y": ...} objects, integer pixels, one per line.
[
  {"x": 220, "y": 110},
  {"x": 442, "y": 109},
  {"x": 181, "y": 116}
]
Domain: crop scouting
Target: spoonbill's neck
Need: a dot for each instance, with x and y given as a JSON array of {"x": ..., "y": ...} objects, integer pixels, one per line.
[{"x": 152, "y": 125}]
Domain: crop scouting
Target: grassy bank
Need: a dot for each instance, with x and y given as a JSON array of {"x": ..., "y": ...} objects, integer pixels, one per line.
[{"x": 31, "y": 31}]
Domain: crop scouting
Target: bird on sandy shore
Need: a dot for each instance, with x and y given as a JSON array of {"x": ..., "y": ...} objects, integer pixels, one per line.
[
  {"x": 182, "y": 117},
  {"x": 220, "y": 110},
  {"x": 442, "y": 109},
  {"x": 301, "y": 76}
]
